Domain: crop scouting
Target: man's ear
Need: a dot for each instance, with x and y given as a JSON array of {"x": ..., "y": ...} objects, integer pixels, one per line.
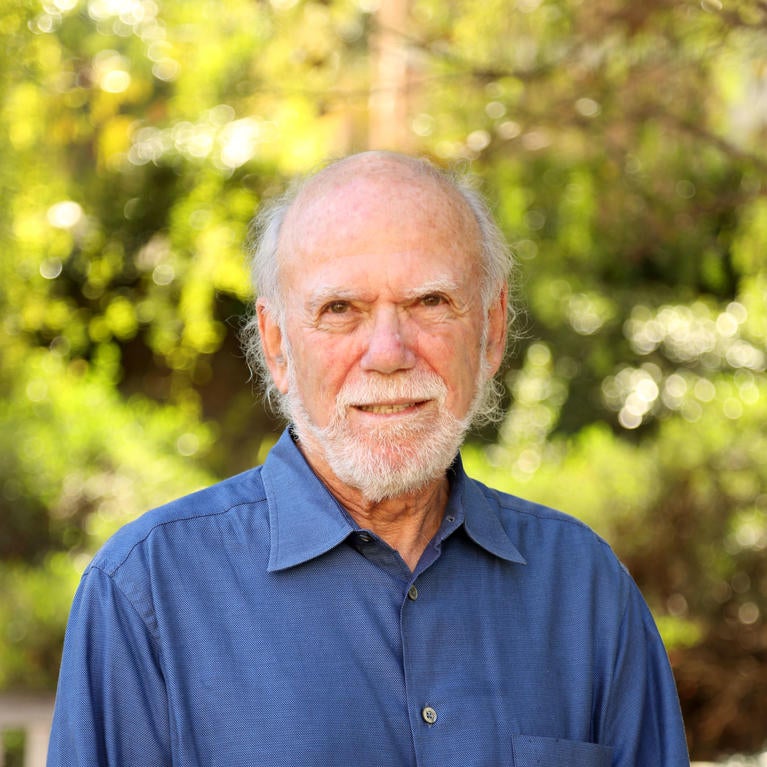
[
  {"x": 273, "y": 345},
  {"x": 497, "y": 329}
]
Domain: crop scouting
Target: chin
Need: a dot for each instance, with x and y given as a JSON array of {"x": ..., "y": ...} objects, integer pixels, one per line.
[
  {"x": 399, "y": 456},
  {"x": 387, "y": 465}
]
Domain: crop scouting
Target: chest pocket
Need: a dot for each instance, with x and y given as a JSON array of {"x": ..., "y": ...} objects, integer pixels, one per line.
[{"x": 531, "y": 751}]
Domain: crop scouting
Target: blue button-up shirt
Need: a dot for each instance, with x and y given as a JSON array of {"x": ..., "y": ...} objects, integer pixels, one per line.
[{"x": 253, "y": 624}]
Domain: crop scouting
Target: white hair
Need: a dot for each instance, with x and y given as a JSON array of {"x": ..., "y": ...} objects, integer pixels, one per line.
[{"x": 498, "y": 269}]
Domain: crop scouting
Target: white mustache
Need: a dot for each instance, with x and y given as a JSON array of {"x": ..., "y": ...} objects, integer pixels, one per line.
[{"x": 416, "y": 387}]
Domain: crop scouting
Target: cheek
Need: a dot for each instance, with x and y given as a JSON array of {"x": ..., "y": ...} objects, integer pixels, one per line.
[
  {"x": 320, "y": 372},
  {"x": 460, "y": 365},
  {"x": 463, "y": 387}
]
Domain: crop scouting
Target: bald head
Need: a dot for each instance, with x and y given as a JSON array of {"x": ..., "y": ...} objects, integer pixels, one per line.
[
  {"x": 274, "y": 226},
  {"x": 381, "y": 171},
  {"x": 400, "y": 198}
]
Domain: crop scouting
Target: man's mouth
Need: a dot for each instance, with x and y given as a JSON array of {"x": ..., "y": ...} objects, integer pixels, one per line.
[{"x": 387, "y": 409}]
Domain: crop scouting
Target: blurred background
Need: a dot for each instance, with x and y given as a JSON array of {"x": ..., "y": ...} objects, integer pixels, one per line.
[{"x": 623, "y": 147}]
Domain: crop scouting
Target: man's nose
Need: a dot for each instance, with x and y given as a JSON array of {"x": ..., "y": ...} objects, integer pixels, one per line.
[{"x": 387, "y": 348}]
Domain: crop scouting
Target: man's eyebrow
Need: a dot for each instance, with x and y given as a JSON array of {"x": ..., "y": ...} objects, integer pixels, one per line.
[
  {"x": 328, "y": 293},
  {"x": 322, "y": 296},
  {"x": 434, "y": 286}
]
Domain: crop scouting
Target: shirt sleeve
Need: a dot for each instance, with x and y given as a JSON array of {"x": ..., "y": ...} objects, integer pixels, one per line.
[
  {"x": 644, "y": 721},
  {"x": 111, "y": 703}
]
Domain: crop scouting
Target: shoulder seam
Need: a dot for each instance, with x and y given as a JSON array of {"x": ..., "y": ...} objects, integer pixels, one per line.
[
  {"x": 538, "y": 510},
  {"x": 110, "y": 572},
  {"x": 129, "y": 601}
]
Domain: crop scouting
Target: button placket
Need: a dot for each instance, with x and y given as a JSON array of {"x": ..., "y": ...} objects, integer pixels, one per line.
[{"x": 429, "y": 706}]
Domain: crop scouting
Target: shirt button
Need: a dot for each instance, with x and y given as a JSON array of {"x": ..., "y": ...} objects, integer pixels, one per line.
[
  {"x": 429, "y": 715},
  {"x": 364, "y": 538},
  {"x": 412, "y": 593}
]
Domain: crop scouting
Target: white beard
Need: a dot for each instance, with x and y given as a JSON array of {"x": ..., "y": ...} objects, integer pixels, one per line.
[{"x": 399, "y": 457}]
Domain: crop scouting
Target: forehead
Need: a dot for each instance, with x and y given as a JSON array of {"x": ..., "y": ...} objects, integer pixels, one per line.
[{"x": 384, "y": 216}]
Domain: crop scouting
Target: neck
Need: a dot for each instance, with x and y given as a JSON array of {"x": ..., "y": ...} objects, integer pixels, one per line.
[{"x": 407, "y": 522}]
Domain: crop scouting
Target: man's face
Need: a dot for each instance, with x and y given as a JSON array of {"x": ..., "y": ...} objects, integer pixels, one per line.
[{"x": 385, "y": 342}]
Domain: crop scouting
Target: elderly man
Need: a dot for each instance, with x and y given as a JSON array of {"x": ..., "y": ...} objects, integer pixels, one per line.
[{"x": 358, "y": 600}]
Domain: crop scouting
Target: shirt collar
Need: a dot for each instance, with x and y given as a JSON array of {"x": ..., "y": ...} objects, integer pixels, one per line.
[
  {"x": 480, "y": 517},
  {"x": 306, "y": 521}
]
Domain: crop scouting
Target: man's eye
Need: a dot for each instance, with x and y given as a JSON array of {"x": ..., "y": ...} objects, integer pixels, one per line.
[
  {"x": 337, "y": 307},
  {"x": 432, "y": 299}
]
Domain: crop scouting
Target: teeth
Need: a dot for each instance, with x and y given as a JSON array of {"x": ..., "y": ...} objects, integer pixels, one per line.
[{"x": 383, "y": 409}]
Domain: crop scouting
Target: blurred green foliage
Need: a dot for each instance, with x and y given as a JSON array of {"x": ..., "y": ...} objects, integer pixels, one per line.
[{"x": 623, "y": 148}]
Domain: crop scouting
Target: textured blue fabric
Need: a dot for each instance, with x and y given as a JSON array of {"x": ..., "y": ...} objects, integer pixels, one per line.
[{"x": 254, "y": 625}]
